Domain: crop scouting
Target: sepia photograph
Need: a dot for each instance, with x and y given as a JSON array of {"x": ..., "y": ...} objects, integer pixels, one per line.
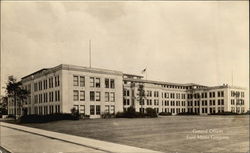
[{"x": 124, "y": 76}]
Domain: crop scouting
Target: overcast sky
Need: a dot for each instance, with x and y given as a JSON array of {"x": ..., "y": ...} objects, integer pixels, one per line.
[{"x": 181, "y": 42}]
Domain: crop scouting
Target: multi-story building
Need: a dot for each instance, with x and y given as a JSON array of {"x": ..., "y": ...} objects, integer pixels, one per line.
[
  {"x": 59, "y": 89},
  {"x": 177, "y": 98},
  {"x": 95, "y": 91}
]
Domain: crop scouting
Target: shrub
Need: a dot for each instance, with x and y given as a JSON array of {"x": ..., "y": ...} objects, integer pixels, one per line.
[
  {"x": 46, "y": 118},
  {"x": 225, "y": 113},
  {"x": 165, "y": 113},
  {"x": 75, "y": 113},
  {"x": 150, "y": 112},
  {"x": 11, "y": 116},
  {"x": 131, "y": 113},
  {"x": 107, "y": 115},
  {"x": 187, "y": 113},
  {"x": 119, "y": 115}
]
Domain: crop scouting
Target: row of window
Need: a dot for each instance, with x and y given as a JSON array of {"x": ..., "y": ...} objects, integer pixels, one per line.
[
  {"x": 94, "y": 82},
  {"x": 205, "y": 95},
  {"x": 238, "y": 102},
  {"x": 94, "y": 96},
  {"x": 238, "y": 109},
  {"x": 44, "y": 110},
  {"x": 237, "y": 94},
  {"x": 47, "y": 97},
  {"x": 43, "y": 85},
  {"x": 205, "y": 102}
]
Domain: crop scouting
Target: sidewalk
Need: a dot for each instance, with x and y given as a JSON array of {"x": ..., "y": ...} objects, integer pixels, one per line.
[{"x": 16, "y": 138}]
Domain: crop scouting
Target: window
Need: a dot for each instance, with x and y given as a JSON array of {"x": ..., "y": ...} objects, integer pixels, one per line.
[
  {"x": 82, "y": 109},
  {"x": 58, "y": 84},
  {"x": 52, "y": 96},
  {"x": 55, "y": 95},
  {"x": 112, "y": 97},
  {"x": 112, "y": 83},
  {"x": 218, "y": 93},
  {"x": 92, "y": 109},
  {"x": 106, "y": 96},
  {"x": 76, "y": 95},
  {"x": 76, "y": 107},
  {"x": 92, "y": 82},
  {"x": 106, "y": 83},
  {"x": 35, "y": 86},
  {"x": 98, "y": 110},
  {"x": 98, "y": 96},
  {"x": 82, "y": 81},
  {"x": 107, "y": 108},
  {"x": 82, "y": 95},
  {"x": 51, "y": 82},
  {"x": 58, "y": 94},
  {"x": 92, "y": 96},
  {"x": 97, "y": 83},
  {"x": 112, "y": 109},
  {"x": 222, "y": 101},
  {"x": 75, "y": 81},
  {"x": 45, "y": 84}
]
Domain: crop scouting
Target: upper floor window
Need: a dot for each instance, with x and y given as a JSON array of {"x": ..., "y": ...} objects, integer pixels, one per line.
[
  {"x": 57, "y": 82},
  {"x": 92, "y": 96},
  {"x": 106, "y": 83},
  {"x": 112, "y": 97},
  {"x": 112, "y": 83},
  {"x": 98, "y": 96},
  {"x": 45, "y": 85},
  {"x": 82, "y": 95},
  {"x": 75, "y": 95},
  {"x": 106, "y": 96},
  {"x": 75, "y": 81},
  {"x": 97, "y": 82},
  {"x": 92, "y": 82},
  {"x": 35, "y": 86},
  {"x": 82, "y": 81}
]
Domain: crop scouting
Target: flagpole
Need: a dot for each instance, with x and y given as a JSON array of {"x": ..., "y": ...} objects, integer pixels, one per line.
[
  {"x": 146, "y": 73},
  {"x": 90, "y": 53}
]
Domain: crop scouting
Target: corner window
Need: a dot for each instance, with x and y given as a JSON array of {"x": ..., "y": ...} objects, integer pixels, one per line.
[{"x": 112, "y": 83}]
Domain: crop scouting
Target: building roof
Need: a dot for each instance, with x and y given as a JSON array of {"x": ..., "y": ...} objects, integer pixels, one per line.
[
  {"x": 73, "y": 67},
  {"x": 162, "y": 82}
]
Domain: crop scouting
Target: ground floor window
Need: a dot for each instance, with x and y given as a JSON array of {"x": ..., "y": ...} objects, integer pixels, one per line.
[
  {"x": 82, "y": 109},
  {"x": 92, "y": 109},
  {"x": 98, "y": 109}
]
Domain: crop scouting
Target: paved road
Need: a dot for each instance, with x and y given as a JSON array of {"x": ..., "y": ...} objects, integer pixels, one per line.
[{"x": 23, "y": 142}]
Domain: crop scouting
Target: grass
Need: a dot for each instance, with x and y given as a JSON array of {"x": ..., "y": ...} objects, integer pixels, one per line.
[{"x": 167, "y": 134}]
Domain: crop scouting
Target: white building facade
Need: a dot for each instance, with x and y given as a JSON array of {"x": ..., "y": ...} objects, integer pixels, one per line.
[
  {"x": 57, "y": 90},
  {"x": 179, "y": 98},
  {"x": 95, "y": 91}
]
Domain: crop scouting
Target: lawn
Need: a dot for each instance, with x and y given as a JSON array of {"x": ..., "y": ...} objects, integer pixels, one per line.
[{"x": 167, "y": 134}]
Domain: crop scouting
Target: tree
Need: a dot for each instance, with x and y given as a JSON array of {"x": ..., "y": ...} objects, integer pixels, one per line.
[
  {"x": 3, "y": 106},
  {"x": 141, "y": 94},
  {"x": 14, "y": 90}
]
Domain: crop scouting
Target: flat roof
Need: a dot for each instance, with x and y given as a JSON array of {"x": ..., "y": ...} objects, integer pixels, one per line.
[
  {"x": 73, "y": 67},
  {"x": 162, "y": 82}
]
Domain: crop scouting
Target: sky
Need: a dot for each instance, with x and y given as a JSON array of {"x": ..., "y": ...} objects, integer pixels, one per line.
[{"x": 181, "y": 42}]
